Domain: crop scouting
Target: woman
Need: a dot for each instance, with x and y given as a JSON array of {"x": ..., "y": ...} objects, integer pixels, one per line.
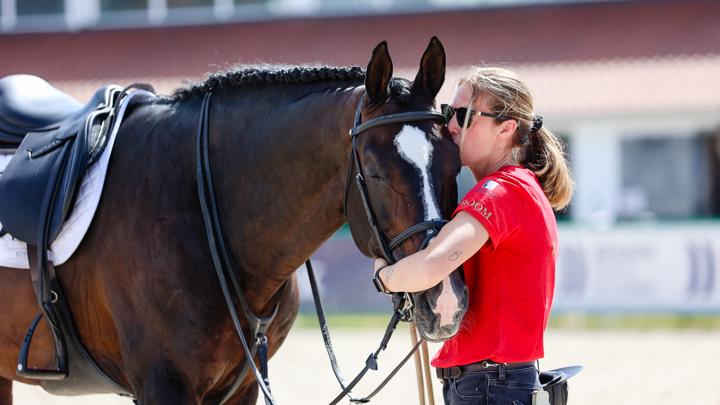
[{"x": 504, "y": 232}]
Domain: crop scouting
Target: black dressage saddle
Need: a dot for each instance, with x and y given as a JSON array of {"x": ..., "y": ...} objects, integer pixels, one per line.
[
  {"x": 55, "y": 146},
  {"x": 56, "y": 139}
]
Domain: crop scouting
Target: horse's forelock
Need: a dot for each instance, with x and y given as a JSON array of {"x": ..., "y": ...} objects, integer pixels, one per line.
[{"x": 400, "y": 91}]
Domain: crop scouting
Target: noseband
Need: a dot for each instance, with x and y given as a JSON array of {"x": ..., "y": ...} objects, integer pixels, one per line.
[{"x": 432, "y": 226}]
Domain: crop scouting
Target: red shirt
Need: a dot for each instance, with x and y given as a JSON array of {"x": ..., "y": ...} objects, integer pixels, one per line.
[{"x": 511, "y": 278}]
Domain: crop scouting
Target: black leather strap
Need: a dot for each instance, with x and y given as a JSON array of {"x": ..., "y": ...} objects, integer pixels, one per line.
[
  {"x": 434, "y": 225},
  {"x": 354, "y": 165},
  {"x": 398, "y": 118},
  {"x": 225, "y": 268},
  {"x": 402, "y": 302},
  {"x": 370, "y": 363},
  {"x": 379, "y": 284}
]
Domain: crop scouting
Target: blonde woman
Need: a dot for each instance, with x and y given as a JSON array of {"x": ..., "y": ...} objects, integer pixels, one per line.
[{"x": 505, "y": 235}]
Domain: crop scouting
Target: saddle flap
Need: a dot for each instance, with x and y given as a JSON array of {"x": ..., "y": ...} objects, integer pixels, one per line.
[
  {"x": 28, "y": 185},
  {"x": 39, "y": 184}
]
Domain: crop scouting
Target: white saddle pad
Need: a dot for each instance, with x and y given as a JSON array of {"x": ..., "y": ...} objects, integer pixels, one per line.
[{"x": 13, "y": 253}]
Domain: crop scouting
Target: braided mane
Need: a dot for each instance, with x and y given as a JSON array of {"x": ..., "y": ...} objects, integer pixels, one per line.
[{"x": 244, "y": 76}]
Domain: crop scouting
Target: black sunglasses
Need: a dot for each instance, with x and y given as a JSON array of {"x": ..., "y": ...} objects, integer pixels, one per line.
[{"x": 448, "y": 111}]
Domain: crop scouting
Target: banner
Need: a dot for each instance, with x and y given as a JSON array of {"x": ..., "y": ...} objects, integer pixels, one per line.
[
  {"x": 660, "y": 268},
  {"x": 639, "y": 269}
]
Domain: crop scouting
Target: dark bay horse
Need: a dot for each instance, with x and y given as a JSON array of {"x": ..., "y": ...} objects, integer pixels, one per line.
[{"x": 145, "y": 299}]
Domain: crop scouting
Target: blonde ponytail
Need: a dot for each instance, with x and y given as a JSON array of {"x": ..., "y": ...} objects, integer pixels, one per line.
[{"x": 551, "y": 168}]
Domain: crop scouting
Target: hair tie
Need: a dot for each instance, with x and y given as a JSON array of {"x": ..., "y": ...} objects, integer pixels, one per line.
[{"x": 537, "y": 123}]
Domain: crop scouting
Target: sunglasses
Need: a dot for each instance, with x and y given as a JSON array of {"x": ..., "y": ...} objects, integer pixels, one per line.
[{"x": 448, "y": 111}]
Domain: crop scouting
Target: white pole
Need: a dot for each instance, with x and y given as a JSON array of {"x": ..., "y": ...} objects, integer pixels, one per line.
[
  {"x": 223, "y": 9},
  {"x": 157, "y": 11},
  {"x": 8, "y": 14},
  {"x": 80, "y": 14}
]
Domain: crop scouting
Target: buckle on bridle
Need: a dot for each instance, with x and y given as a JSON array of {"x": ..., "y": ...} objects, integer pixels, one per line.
[{"x": 404, "y": 306}]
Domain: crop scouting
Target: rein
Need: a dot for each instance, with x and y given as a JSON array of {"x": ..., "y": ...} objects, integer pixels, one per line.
[
  {"x": 371, "y": 361},
  {"x": 224, "y": 267},
  {"x": 232, "y": 289},
  {"x": 402, "y": 302}
]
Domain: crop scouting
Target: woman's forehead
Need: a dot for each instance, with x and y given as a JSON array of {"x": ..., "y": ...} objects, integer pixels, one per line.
[{"x": 464, "y": 96}]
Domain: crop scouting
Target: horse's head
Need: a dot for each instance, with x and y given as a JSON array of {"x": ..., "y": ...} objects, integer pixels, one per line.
[{"x": 408, "y": 171}]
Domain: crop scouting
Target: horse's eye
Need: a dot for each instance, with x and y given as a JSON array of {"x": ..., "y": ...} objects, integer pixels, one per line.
[{"x": 377, "y": 177}]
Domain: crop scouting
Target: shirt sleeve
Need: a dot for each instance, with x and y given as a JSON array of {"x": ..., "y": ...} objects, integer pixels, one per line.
[{"x": 496, "y": 205}]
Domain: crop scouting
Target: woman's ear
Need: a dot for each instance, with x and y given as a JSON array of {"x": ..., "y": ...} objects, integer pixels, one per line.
[{"x": 507, "y": 129}]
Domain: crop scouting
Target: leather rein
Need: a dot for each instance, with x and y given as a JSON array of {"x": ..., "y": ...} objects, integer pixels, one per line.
[{"x": 228, "y": 276}]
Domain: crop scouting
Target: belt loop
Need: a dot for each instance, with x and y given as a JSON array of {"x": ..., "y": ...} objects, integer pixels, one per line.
[{"x": 501, "y": 371}]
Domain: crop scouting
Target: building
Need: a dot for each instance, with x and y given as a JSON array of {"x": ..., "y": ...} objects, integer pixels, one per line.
[{"x": 632, "y": 86}]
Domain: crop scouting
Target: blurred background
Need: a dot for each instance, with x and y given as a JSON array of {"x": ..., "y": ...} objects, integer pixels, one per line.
[{"x": 632, "y": 87}]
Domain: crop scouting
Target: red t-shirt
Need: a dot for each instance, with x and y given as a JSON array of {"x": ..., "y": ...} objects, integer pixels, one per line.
[{"x": 511, "y": 278}]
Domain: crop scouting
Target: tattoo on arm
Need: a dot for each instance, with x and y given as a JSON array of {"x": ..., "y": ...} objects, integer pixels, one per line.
[{"x": 454, "y": 256}]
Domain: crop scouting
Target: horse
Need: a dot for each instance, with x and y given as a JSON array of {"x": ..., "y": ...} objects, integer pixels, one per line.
[{"x": 144, "y": 297}]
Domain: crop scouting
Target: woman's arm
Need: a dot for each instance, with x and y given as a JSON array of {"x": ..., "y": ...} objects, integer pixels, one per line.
[{"x": 457, "y": 241}]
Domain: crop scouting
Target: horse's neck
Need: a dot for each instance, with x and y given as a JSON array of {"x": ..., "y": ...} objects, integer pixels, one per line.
[{"x": 282, "y": 186}]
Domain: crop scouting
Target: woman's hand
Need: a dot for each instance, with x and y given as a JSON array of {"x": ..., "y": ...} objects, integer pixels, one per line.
[{"x": 379, "y": 264}]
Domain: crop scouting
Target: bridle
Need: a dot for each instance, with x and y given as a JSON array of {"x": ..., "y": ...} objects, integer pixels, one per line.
[
  {"x": 402, "y": 302},
  {"x": 230, "y": 284},
  {"x": 432, "y": 226}
]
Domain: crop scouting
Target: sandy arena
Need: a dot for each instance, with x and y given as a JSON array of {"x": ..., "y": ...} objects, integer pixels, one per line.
[{"x": 621, "y": 367}]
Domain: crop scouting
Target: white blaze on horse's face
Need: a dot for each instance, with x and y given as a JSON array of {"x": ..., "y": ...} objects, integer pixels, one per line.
[
  {"x": 417, "y": 150},
  {"x": 414, "y": 147}
]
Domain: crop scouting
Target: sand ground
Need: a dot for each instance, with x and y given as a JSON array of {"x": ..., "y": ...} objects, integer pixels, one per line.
[{"x": 620, "y": 367}]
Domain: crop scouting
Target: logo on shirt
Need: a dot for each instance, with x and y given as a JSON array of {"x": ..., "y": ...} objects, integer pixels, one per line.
[{"x": 477, "y": 206}]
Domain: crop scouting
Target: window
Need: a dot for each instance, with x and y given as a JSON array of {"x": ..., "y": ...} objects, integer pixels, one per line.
[
  {"x": 123, "y": 5},
  {"x": 666, "y": 177},
  {"x": 713, "y": 151},
  {"x": 39, "y": 7},
  {"x": 189, "y": 3}
]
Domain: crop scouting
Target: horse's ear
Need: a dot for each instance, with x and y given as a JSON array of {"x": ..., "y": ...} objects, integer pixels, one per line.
[
  {"x": 379, "y": 73},
  {"x": 431, "y": 75}
]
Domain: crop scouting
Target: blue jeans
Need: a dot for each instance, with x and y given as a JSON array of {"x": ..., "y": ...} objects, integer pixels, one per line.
[{"x": 501, "y": 385}]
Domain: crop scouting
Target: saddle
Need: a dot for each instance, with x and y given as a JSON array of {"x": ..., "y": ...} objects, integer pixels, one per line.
[
  {"x": 56, "y": 139},
  {"x": 39, "y": 183}
]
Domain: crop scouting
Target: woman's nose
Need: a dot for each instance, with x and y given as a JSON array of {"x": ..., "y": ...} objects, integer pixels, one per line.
[{"x": 454, "y": 130}]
